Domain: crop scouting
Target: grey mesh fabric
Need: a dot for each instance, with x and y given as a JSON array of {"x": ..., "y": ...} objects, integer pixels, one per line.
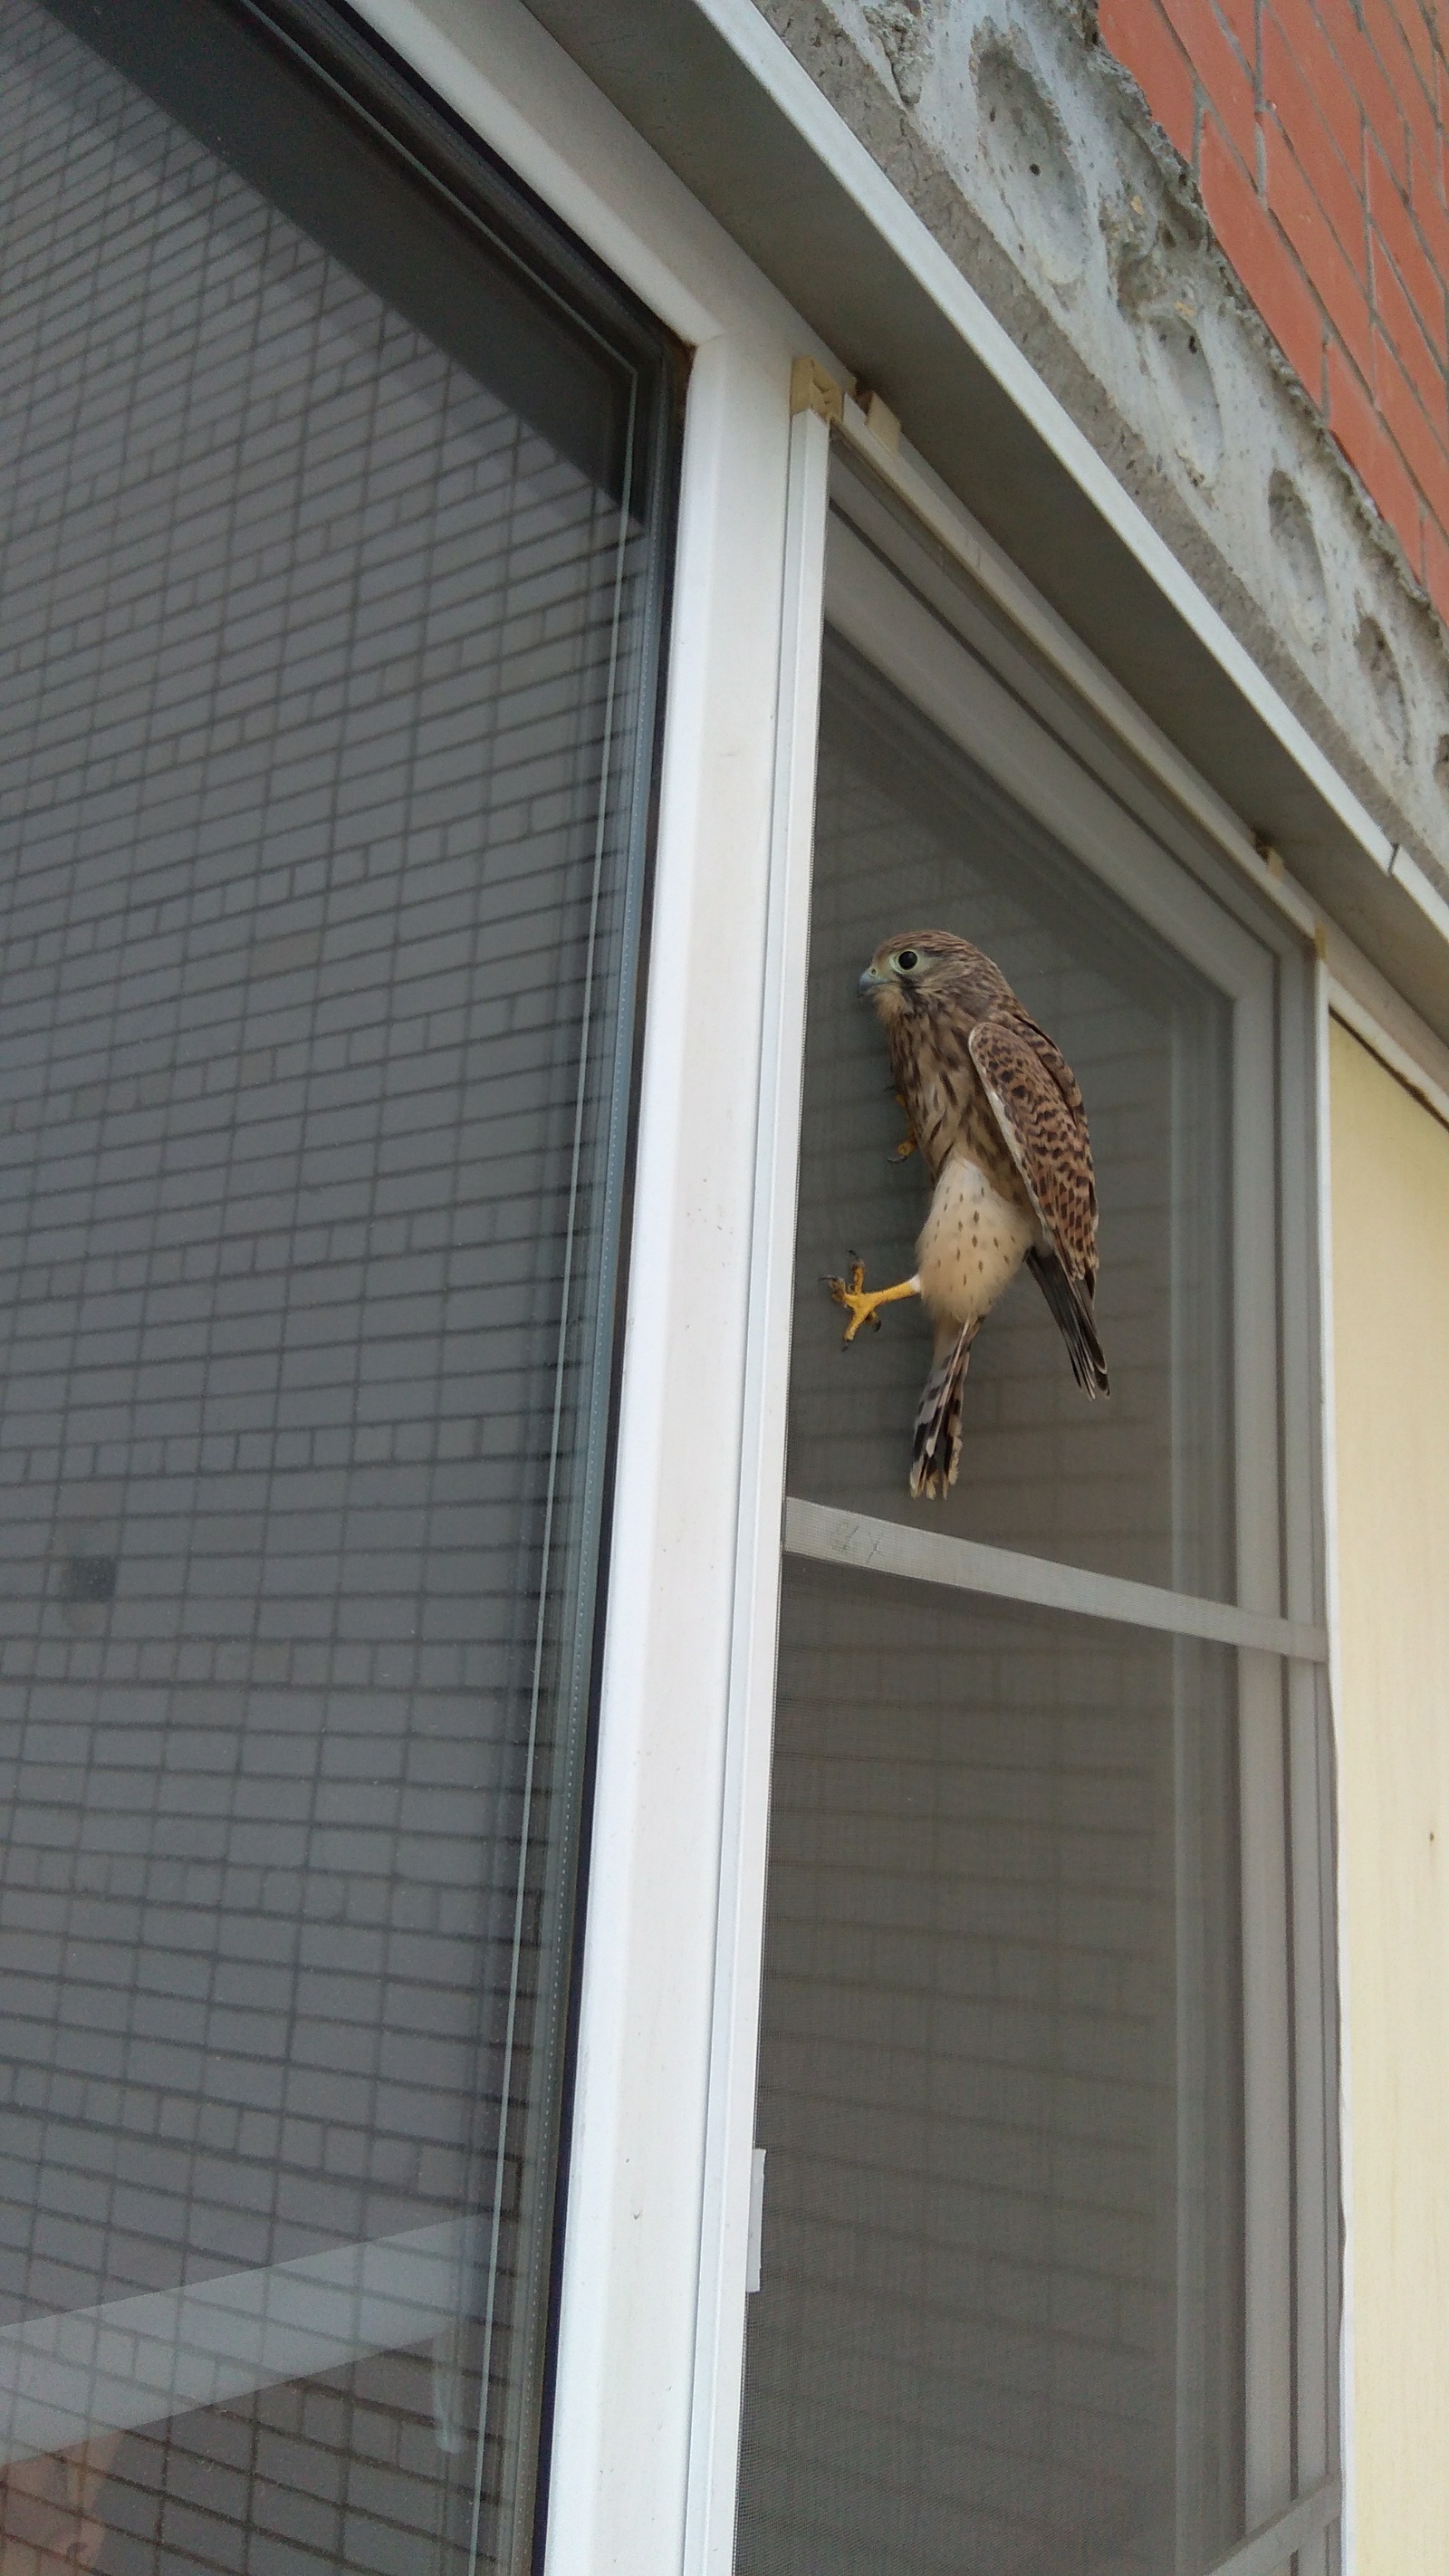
[
  {"x": 326, "y": 726},
  {"x": 1000, "y": 2316},
  {"x": 911, "y": 835}
]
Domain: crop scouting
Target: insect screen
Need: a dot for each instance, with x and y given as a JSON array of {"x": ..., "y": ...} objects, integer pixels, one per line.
[{"x": 1000, "y": 2314}]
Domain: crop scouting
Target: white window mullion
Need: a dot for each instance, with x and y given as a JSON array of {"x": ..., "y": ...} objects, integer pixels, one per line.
[
  {"x": 1315, "y": 2090},
  {"x": 620, "y": 2453},
  {"x": 1267, "y": 2190},
  {"x": 730, "y": 2167},
  {"x": 1267, "y": 2023},
  {"x": 1315, "y": 2074}
]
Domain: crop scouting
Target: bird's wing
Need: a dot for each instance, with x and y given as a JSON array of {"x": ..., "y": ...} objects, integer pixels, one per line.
[
  {"x": 1054, "y": 1060},
  {"x": 1038, "y": 1108}
]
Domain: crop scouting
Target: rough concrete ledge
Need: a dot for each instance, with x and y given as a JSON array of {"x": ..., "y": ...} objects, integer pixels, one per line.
[{"x": 1032, "y": 157}]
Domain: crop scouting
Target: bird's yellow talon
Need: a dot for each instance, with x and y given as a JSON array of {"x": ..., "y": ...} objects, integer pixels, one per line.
[
  {"x": 849, "y": 1293},
  {"x": 862, "y": 1304}
]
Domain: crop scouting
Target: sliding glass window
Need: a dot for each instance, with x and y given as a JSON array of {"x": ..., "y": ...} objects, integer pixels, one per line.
[
  {"x": 337, "y": 493},
  {"x": 1050, "y": 1757}
]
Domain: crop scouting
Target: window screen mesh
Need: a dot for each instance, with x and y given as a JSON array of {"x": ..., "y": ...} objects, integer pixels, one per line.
[
  {"x": 910, "y": 834},
  {"x": 327, "y": 678},
  {"x": 1001, "y": 2309},
  {"x": 1000, "y": 2286}
]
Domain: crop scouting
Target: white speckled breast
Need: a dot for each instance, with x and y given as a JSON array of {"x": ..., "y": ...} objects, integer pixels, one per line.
[{"x": 972, "y": 1244}]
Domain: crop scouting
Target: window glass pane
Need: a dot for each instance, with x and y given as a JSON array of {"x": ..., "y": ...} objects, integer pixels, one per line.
[
  {"x": 910, "y": 835},
  {"x": 329, "y": 653},
  {"x": 999, "y": 2320}
]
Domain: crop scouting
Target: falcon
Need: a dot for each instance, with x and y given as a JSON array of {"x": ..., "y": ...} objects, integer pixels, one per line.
[{"x": 995, "y": 1111}]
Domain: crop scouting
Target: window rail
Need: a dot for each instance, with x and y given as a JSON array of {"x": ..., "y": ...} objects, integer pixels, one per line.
[
  {"x": 1274, "y": 2543},
  {"x": 133, "y": 2361},
  {"x": 834, "y": 1537}
]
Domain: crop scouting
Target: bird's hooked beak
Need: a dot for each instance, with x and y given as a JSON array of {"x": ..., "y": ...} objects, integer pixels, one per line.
[{"x": 870, "y": 984}]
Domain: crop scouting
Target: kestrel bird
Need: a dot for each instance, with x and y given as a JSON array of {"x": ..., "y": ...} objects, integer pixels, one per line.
[{"x": 995, "y": 1110}]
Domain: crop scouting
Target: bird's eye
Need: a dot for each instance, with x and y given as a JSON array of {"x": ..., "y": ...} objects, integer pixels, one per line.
[{"x": 907, "y": 959}]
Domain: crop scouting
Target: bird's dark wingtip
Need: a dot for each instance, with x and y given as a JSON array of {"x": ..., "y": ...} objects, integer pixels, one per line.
[{"x": 1071, "y": 1304}]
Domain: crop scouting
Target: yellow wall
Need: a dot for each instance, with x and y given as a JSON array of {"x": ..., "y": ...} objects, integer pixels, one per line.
[{"x": 1391, "y": 1333}]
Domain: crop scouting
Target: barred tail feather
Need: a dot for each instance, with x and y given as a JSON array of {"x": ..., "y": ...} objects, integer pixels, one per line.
[
  {"x": 936, "y": 1448},
  {"x": 1071, "y": 1304}
]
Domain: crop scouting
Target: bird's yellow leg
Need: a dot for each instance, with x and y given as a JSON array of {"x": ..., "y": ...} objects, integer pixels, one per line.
[{"x": 861, "y": 1303}]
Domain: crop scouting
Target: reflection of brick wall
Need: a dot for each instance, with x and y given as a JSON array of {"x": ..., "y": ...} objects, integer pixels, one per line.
[
  {"x": 1315, "y": 129},
  {"x": 309, "y": 639}
]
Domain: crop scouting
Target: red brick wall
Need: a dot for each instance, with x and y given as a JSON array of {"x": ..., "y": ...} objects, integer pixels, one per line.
[{"x": 1316, "y": 132}]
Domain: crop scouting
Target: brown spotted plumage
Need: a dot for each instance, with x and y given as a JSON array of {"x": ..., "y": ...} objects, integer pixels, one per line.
[{"x": 995, "y": 1110}]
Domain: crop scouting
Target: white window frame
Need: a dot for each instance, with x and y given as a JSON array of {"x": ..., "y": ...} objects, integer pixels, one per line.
[
  {"x": 1277, "y": 1621},
  {"x": 660, "y": 2167}
]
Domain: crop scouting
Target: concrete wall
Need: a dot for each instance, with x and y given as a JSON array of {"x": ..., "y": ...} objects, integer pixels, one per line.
[
  {"x": 1390, "y": 1268},
  {"x": 1031, "y": 153}
]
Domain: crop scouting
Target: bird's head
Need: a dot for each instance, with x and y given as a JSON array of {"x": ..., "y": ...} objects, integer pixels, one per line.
[{"x": 919, "y": 969}]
